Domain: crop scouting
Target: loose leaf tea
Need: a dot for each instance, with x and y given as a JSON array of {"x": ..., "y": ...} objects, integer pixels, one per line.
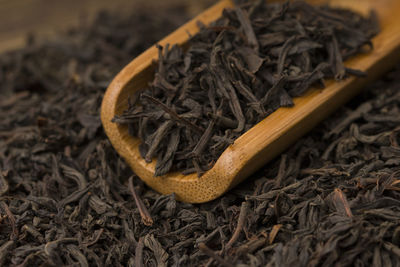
[
  {"x": 237, "y": 71},
  {"x": 67, "y": 199}
]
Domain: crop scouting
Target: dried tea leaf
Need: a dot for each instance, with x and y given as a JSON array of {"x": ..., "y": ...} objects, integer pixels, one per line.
[{"x": 160, "y": 254}]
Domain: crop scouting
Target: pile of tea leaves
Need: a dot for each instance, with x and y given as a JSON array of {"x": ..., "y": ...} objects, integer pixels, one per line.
[
  {"x": 66, "y": 198},
  {"x": 236, "y": 72}
]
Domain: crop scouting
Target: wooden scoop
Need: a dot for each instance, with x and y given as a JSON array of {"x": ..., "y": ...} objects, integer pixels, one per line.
[{"x": 269, "y": 137}]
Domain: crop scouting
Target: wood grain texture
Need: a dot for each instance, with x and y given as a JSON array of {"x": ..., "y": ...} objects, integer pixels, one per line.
[{"x": 266, "y": 139}]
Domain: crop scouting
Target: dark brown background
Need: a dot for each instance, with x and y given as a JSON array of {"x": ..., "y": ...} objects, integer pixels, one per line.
[{"x": 44, "y": 17}]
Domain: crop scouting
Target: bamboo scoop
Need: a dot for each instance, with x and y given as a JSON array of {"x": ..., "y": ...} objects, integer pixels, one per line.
[{"x": 266, "y": 139}]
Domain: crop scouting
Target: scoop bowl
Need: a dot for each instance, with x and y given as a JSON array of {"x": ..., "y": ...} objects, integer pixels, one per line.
[{"x": 268, "y": 138}]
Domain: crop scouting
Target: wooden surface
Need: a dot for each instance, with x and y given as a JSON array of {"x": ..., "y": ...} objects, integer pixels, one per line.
[
  {"x": 268, "y": 138},
  {"x": 45, "y": 17}
]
